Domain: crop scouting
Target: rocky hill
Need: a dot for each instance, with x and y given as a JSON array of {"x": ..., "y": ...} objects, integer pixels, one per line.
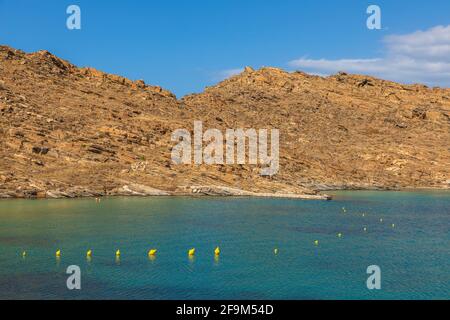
[{"x": 67, "y": 131}]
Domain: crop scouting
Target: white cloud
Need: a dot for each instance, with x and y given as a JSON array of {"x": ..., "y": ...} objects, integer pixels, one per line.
[{"x": 418, "y": 57}]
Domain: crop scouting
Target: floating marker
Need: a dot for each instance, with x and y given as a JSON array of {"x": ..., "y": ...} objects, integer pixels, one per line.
[
  {"x": 191, "y": 252},
  {"x": 58, "y": 253},
  {"x": 217, "y": 251},
  {"x": 89, "y": 253},
  {"x": 365, "y": 229},
  {"x": 339, "y": 235},
  {"x": 316, "y": 242},
  {"x": 152, "y": 252},
  {"x": 118, "y": 253},
  {"x": 393, "y": 225},
  {"x": 275, "y": 251},
  {"x": 24, "y": 254},
  {"x": 381, "y": 220},
  {"x": 363, "y": 214}
]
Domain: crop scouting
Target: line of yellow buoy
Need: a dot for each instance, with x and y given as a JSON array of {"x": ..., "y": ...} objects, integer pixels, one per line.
[
  {"x": 151, "y": 253},
  {"x": 191, "y": 252}
]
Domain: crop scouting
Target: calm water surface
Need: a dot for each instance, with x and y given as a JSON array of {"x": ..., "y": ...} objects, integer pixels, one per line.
[{"x": 414, "y": 256}]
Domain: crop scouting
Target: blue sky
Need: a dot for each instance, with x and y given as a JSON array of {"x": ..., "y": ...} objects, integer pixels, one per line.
[{"x": 187, "y": 45}]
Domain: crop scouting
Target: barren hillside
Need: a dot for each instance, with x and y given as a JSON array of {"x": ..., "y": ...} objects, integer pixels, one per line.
[{"x": 68, "y": 131}]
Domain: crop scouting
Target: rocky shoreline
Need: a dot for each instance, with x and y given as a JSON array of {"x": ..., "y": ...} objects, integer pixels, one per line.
[{"x": 137, "y": 190}]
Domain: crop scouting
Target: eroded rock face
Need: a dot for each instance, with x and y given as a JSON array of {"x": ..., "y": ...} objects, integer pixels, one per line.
[
  {"x": 68, "y": 131},
  {"x": 340, "y": 132}
]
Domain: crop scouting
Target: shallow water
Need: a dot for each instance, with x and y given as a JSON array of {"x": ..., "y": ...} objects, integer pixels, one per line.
[{"x": 414, "y": 256}]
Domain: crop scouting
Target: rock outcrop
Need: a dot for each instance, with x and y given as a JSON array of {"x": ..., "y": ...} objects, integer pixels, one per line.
[
  {"x": 339, "y": 132},
  {"x": 67, "y": 132}
]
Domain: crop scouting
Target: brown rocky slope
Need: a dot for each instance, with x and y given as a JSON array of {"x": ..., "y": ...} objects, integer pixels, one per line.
[{"x": 67, "y": 131}]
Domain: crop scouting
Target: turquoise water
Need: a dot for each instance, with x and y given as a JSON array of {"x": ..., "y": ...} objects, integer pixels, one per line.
[{"x": 414, "y": 256}]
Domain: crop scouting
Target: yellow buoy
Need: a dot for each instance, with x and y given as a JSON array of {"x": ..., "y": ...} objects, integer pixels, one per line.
[
  {"x": 316, "y": 242},
  {"x": 89, "y": 253},
  {"x": 275, "y": 251},
  {"x": 217, "y": 251},
  {"x": 191, "y": 252},
  {"x": 118, "y": 253},
  {"x": 24, "y": 254},
  {"x": 58, "y": 253},
  {"x": 339, "y": 235},
  {"x": 152, "y": 252}
]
